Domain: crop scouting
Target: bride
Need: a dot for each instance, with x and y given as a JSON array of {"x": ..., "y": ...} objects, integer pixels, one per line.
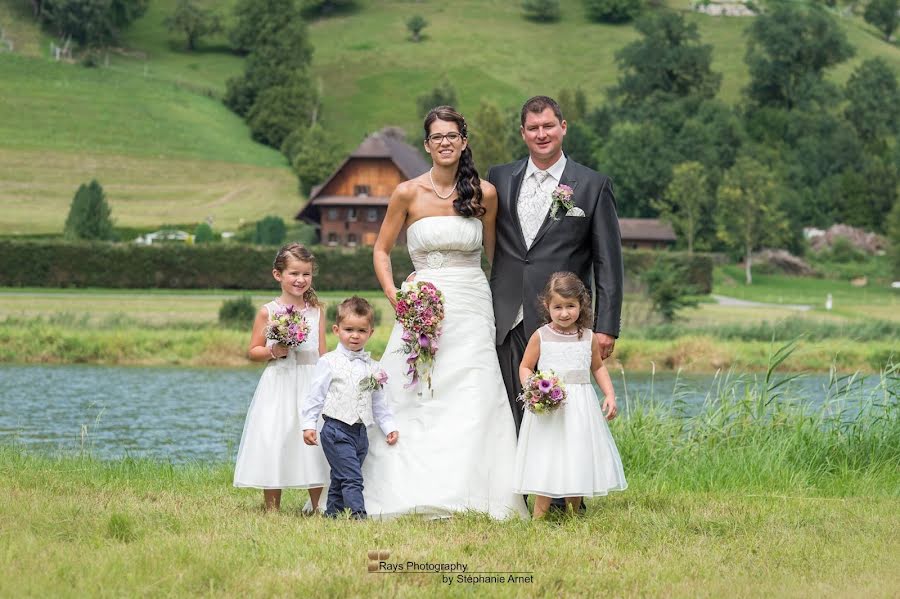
[{"x": 458, "y": 440}]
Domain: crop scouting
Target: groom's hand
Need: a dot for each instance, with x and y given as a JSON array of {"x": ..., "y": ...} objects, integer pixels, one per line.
[
  {"x": 607, "y": 344},
  {"x": 309, "y": 437},
  {"x": 392, "y": 437}
]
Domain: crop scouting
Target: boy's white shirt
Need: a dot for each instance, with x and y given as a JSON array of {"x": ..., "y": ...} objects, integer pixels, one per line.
[{"x": 343, "y": 394}]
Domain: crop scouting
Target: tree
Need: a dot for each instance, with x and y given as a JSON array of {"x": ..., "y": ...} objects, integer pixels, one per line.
[
  {"x": 270, "y": 231},
  {"x": 667, "y": 288},
  {"x": 544, "y": 11},
  {"x": 204, "y": 233},
  {"x": 748, "y": 214},
  {"x": 874, "y": 100},
  {"x": 256, "y": 21},
  {"x": 442, "y": 95},
  {"x": 893, "y": 233},
  {"x": 279, "y": 110},
  {"x": 687, "y": 201},
  {"x": 315, "y": 158},
  {"x": 612, "y": 11},
  {"x": 639, "y": 159},
  {"x": 192, "y": 21},
  {"x": 275, "y": 93},
  {"x": 884, "y": 15},
  {"x": 788, "y": 50},
  {"x": 573, "y": 104},
  {"x": 667, "y": 62},
  {"x": 89, "y": 214},
  {"x": 487, "y": 137},
  {"x": 326, "y": 7},
  {"x": 90, "y": 23},
  {"x": 580, "y": 143},
  {"x": 864, "y": 197},
  {"x": 415, "y": 24}
]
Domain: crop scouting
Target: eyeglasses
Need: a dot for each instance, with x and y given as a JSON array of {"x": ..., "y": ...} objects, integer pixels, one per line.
[{"x": 438, "y": 138}]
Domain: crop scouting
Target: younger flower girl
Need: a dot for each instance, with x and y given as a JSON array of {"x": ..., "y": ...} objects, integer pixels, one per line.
[{"x": 568, "y": 452}]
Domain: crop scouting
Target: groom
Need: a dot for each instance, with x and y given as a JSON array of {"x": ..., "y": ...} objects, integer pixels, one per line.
[{"x": 531, "y": 245}]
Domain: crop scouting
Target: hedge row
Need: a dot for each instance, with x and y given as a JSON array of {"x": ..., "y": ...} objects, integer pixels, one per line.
[{"x": 225, "y": 266}]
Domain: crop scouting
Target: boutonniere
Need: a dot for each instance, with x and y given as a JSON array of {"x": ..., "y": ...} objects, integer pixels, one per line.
[
  {"x": 562, "y": 199},
  {"x": 374, "y": 381}
]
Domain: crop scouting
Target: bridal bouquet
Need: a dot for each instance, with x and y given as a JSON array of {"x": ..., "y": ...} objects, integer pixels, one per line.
[
  {"x": 288, "y": 327},
  {"x": 374, "y": 381},
  {"x": 420, "y": 311},
  {"x": 543, "y": 392}
]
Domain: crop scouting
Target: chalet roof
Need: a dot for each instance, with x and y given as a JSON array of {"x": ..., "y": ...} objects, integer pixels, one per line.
[
  {"x": 378, "y": 145},
  {"x": 648, "y": 229}
]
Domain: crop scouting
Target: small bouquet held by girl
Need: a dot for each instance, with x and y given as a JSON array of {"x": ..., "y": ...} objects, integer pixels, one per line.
[
  {"x": 420, "y": 311},
  {"x": 288, "y": 327},
  {"x": 542, "y": 392}
]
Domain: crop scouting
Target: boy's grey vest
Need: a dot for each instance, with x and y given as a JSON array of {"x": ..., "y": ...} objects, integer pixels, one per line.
[{"x": 344, "y": 401}]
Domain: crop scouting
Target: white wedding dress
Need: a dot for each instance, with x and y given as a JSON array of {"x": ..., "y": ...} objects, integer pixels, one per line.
[{"x": 457, "y": 446}]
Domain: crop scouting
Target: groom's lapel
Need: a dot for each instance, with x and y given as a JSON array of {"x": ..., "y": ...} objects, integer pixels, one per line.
[
  {"x": 515, "y": 184},
  {"x": 566, "y": 179}
]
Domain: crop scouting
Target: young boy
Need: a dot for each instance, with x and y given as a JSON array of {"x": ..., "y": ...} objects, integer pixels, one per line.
[{"x": 346, "y": 391}]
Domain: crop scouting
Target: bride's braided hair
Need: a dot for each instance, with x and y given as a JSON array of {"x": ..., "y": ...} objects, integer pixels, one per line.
[
  {"x": 567, "y": 285},
  {"x": 468, "y": 184}
]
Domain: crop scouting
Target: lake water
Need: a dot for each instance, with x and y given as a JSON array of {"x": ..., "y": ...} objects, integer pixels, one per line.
[{"x": 184, "y": 414}]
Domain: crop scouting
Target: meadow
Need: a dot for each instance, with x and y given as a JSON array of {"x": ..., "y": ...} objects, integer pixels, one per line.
[
  {"x": 150, "y": 125},
  {"x": 757, "y": 496},
  {"x": 180, "y": 328}
]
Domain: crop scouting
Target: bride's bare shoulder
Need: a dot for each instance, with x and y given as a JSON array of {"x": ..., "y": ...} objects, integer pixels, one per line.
[{"x": 407, "y": 190}]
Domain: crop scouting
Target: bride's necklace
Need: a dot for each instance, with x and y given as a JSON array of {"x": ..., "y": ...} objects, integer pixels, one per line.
[
  {"x": 558, "y": 332},
  {"x": 434, "y": 189}
]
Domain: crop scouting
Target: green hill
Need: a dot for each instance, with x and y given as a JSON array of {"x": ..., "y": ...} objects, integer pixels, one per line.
[{"x": 151, "y": 128}]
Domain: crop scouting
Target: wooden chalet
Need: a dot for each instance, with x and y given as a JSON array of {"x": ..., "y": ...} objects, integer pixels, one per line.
[
  {"x": 646, "y": 234},
  {"x": 349, "y": 206}
]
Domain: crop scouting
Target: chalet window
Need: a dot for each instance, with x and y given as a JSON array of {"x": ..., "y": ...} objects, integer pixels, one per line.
[
  {"x": 351, "y": 239},
  {"x": 332, "y": 214},
  {"x": 361, "y": 190},
  {"x": 333, "y": 239},
  {"x": 351, "y": 214},
  {"x": 372, "y": 215}
]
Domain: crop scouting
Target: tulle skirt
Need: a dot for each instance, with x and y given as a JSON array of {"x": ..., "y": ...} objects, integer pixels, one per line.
[
  {"x": 272, "y": 454},
  {"x": 569, "y": 452}
]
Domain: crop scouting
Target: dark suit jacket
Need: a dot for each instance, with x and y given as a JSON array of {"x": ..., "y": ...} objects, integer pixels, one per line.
[{"x": 588, "y": 246}]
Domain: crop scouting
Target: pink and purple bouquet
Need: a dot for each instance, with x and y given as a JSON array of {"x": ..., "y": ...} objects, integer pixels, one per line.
[
  {"x": 288, "y": 327},
  {"x": 374, "y": 381},
  {"x": 420, "y": 311},
  {"x": 543, "y": 392}
]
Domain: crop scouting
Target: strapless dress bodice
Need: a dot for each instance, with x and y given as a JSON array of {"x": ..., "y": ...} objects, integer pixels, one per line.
[{"x": 445, "y": 242}]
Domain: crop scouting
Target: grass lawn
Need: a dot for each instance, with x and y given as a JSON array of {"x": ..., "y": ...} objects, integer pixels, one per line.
[
  {"x": 165, "y": 327},
  {"x": 141, "y": 191},
  {"x": 872, "y": 301},
  {"x": 747, "y": 499}
]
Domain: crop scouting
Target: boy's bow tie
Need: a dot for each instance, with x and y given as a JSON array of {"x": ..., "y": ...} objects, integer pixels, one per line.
[{"x": 359, "y": 355}]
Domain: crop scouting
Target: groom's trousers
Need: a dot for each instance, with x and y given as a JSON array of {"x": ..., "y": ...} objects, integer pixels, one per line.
[{"x": 510, "y": 355}]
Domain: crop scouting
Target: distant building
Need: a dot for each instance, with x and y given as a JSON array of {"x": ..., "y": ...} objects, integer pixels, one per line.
[
  {"x": 349, "y": 206},
  {"x": 165, "y": 236},
  {"x": 646, "y": 234}
]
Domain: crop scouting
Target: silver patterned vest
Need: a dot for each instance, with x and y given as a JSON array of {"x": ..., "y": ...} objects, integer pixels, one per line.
[{"x": 344, "y": 401}]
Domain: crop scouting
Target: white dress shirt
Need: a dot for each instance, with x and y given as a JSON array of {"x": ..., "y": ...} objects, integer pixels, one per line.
[
  {"x": 534, "y": 202},
  {"x": 347, "y": 399}
]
